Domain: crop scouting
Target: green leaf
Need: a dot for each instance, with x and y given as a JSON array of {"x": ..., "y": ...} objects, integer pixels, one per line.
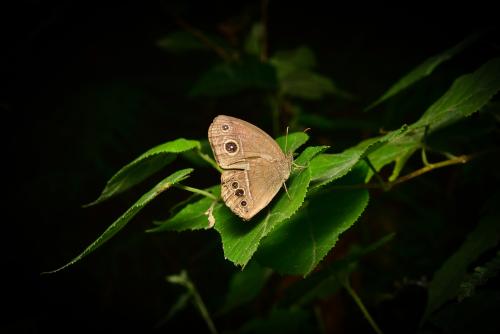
[
  {"x": 286, "y": 61},
  {"x": 468, "y": 94},
  {"x": 296, "y": 78},
  {"x": 253, "y": 43},
  {"x": 230, "y": 78},
  {"x": 294, "y": 141},
  {"x": 245, "y": 285},
  {"x": 144, "y": 166},
  {"x": 181, "y": 303},
  {"x": 129, "y": 214},
  {"x": 323, "y": 283},
  {"x": 329, "y": 167},
  {"x": 299, "y": 245},
  {"x": 423, "y": 70},
  {"x": 241, "y": 239},
  {"x": 446, "y": 281},
  {"x": 279, "y": 321},
  {"x": 180, "y": 41},
  {"x": 192, "y": 217}
]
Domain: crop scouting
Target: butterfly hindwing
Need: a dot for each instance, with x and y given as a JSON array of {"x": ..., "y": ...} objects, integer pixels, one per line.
[{"x": 254, "y": 167}]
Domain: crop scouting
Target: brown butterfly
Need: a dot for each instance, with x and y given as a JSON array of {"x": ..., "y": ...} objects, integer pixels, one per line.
[{"x": 254, "y": 165}]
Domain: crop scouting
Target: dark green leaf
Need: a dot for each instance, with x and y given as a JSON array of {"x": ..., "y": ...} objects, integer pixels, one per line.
[
  {"x": 323, "y": 283},
  {"x": 468, "y": 94},
  {"x": 446, "y": 281},
  {"x": 297, "y": 246},
  {"x": 144, "y": 166},
  {"x": 183, "y": 41},
  {"x": 296, "y": 78},
  {"x": 253, "y": 43},
  {"x": 423, "y": 70},
  {"x": 180, "y": 41},
  {"x": 130, "y": 213},
  {"x": 245, "y": 285},
  {"x": 231, "y": 78}
]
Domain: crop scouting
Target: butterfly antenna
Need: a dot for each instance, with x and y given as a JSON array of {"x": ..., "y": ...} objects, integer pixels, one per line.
[{"x": 286, "y": 139}]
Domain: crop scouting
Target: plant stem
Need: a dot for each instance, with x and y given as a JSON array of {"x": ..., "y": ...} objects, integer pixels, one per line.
[
  {"x": 361, "y": 306},
  {"x": 221, "y": 52},
  {"x": 196, "y": 191},
  {"x": 209, "y": 160},
  {"x": 264, "y": 7},
  {"x": 184, "y": 280},
  {"x": 381, "y": 181},
  {"x": 388, "y": 185}
]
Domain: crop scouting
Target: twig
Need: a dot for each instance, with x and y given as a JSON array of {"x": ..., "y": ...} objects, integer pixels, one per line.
[
  {"x": 361, "y": 306},
  {"x": 388, "y": 185},
  {"x": 221, "y": 52},
  {"x": 209, "y": 160},
  {"x": 196, "y": 191},
  {"x": 264, "y": 20}
]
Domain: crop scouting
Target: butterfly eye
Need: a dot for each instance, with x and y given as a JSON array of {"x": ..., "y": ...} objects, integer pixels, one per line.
[
  {"x": 239, "y": 192},
  {"x": 243, "y": 203},
  {"x": 234, "y": 185}
]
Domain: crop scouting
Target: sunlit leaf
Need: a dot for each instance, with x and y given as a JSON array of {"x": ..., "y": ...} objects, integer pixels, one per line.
[
  {"x": 144, "y": 166},
  {"x": 193, "y": 216},
  {"x": 241, "y": 239},
  {"x": 130, "y": 213},
  {"x": 329, "y": 167},
  {"x": 297, "y": 246}
]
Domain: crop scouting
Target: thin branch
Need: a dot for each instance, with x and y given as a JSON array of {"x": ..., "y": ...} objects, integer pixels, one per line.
[
  {"x": 221, "y": 52},
  {"x": 264, "y": 21},
  {"x": 379, "y": 178},
  {"x": 361, "y": 306},
  {"x": 388, "y": 185},
  {"x": 196, "y": 191},
  {"x": 209, "y": 160}
]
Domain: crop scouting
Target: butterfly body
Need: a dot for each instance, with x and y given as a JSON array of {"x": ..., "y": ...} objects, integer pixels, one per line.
[{"x": 254, "y": 166}]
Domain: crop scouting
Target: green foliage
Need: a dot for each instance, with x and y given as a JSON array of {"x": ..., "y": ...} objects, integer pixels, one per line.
[
  {"x": 468, "y": 94},
  {"x": 326, "y": 193},
  {"x": 245, "y": 285},
  {"x": 120, "y": 223},
  {"x": 446, "y": 281},
  {"x": 230, "y": 78},
  {"x": 423, "y": 70},
  {"x": 297, "y": 79},
  {"x": 144, "y": 166},
  {"x": 299, "y": 245},
  {"x": 240, "y": 240}
]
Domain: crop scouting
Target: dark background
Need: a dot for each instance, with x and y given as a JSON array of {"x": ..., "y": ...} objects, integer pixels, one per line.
[{"x": 86, "y": 90}]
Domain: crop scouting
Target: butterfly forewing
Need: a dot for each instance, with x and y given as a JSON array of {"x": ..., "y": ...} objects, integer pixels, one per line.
[{"x": 254, "y": 165}]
